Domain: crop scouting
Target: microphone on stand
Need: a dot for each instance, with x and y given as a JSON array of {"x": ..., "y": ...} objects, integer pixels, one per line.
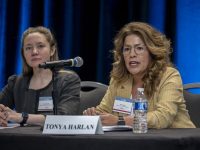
[
  {"x": 76, "y": 62},
  {"x": 54, "y": 66}
]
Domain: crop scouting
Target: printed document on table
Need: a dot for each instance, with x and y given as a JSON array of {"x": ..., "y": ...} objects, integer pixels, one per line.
[
  {"x": 117, "y": 128},
  {"x": 10, "y": 125}
]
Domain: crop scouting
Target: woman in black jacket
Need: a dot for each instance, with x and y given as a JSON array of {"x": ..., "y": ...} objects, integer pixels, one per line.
[{"x": 28, "y": 98}]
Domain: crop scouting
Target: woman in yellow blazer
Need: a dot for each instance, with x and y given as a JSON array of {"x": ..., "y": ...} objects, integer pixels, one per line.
[{"x": 141, "y": 59}]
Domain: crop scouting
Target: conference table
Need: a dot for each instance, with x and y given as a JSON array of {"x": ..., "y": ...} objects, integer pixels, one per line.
[{"x": 32, "y": 138}]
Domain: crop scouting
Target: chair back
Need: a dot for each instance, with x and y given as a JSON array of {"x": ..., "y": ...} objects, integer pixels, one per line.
[
  {"x": 91, "y": 94},
  {"x": 192, "y": 102}
]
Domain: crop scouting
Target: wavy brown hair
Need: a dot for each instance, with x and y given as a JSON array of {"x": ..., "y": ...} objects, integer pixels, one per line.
[
  {"x": 27, "y": 70},
  {"x": 158, "y": 46}
]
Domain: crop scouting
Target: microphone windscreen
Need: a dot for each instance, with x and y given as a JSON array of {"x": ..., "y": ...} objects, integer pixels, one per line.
[{"x": 78, "y": 61}]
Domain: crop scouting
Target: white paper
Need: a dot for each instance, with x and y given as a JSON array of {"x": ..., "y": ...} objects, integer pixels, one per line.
[
  {"x": 117, "y": 128},
  {"x": 10, "y": 125}
]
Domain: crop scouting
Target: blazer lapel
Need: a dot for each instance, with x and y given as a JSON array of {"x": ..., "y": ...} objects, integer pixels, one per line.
[{"x": 124, "y": 89}]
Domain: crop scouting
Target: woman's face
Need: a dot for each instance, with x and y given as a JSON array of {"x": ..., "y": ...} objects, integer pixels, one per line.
[
  {"x": 136, "y": 56},
  {"x": 36, "y": 49}
]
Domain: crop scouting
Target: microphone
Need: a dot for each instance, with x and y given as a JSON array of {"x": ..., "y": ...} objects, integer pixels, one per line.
[{"x": 76, "y": 62}]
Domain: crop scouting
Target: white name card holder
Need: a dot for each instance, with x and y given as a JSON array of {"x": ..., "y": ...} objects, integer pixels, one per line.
[{"x": 59, "y": 124}]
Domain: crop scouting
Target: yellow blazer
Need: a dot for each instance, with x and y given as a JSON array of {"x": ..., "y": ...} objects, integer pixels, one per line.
[{"x": 166, "y": 108}]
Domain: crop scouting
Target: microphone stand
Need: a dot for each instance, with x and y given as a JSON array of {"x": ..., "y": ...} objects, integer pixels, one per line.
[{"x": 54, "y": 91}]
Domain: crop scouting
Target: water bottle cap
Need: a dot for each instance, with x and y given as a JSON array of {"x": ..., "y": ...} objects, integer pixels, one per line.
[{"x": 140, "y": 89}]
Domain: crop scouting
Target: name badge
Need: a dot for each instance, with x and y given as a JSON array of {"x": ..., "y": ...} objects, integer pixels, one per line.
[
  {"x": 60, "y": 124},
  {"x": 123, "y": 105},
  {"x": 45, "y": 104}
]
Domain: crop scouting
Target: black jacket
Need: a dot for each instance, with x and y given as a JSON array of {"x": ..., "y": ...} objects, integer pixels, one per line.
[{"x": 17, "y": 95}]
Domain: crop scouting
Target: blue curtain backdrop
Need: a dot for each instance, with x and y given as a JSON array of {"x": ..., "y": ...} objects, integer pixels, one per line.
[
  {"x": 86, "y": 28},
  {"x": 187, "y": 52}
]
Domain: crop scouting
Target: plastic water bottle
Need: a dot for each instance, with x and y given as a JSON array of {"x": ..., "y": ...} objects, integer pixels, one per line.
[{"x": 140, "y": 112}]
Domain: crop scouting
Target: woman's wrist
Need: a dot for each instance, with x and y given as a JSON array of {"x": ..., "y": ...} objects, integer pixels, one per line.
[
  {"x": 24, "y": 118},
  {"x": 15, "y": 117},
  {"x": 121, "y": 120},
  {"x": 128, "y": 120}
]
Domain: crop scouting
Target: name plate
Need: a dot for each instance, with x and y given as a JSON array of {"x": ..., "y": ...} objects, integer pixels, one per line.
[{"x": 59, "y": 124}]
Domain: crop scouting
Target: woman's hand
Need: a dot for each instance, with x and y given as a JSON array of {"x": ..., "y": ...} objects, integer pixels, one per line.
[
  {"x": 3, "y": 116},
  {"x": 90, "y": 111},
  {"x": 6, "y": 114},
  {"x": 128, "y": 120},
  {"x": 13, "y": 115},
  {"x": 108, "y": 119}
]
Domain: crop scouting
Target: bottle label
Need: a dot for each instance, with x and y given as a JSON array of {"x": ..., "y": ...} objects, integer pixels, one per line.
[{"x": 141, "y": 105}]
